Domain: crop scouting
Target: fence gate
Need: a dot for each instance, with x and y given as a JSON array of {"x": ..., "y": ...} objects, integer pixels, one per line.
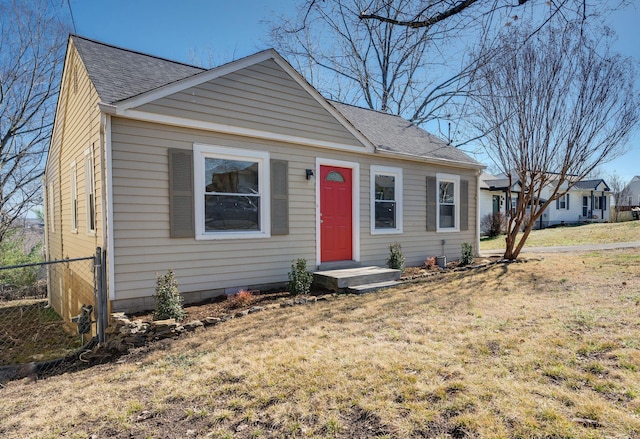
[{"x": 48, "y": 312}]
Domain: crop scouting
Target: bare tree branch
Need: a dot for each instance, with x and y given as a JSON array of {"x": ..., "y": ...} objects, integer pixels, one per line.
[
  {"x": 554, "y": 107},
  {"x": 32, "y": 40}
]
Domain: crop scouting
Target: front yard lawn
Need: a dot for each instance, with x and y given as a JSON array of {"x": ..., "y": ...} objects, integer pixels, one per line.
[{"x": 546, "y": 348}]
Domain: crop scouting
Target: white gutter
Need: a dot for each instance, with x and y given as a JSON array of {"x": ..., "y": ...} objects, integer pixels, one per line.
[{"x": 433, "y": 160}]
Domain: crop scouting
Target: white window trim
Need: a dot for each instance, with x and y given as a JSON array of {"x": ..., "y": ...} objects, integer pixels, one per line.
[
  {"x": 562, "y": 199},
  {"x": 202, "y": 151},
  {"x": 89, "y": 187},
  {"x": 397, "y": 174},
  {"x": 73, "y": 176},
  {"x": 455, "y": 179}
]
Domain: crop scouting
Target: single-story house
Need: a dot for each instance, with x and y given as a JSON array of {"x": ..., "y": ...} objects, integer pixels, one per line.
[
  {"x": 585, "y": 201},
  {"x": 494, "y": 196},
  {"x": 227, "y": 175}
]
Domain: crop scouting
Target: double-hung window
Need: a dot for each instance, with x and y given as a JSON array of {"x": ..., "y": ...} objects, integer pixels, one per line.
[
  {"x": 231, "y": 193},
  {"x": 448, "y": 204},
  {"x": 386, "y": 200},
  {"x": 89, "y": 190},
  {"x": 74, "y": 196},
  {"x": 563, "y": 202}
]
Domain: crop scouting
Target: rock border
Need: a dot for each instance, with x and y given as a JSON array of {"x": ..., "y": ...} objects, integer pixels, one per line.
[{"x": 126, "y": 334}]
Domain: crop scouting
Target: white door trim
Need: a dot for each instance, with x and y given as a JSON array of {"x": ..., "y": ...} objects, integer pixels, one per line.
[{"x": 355, "y": 203}]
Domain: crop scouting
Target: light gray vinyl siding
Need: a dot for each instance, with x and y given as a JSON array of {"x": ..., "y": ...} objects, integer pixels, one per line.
[
  {"x": 143, "y": 247},
  {"x": 261, "y": 97}
]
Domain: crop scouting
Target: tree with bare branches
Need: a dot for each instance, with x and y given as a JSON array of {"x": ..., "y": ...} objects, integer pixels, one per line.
[
  {"x": 557, "y": 105},
  {"x": 32, "y": 40},
  {"x": 620, "y": 189},
  {"x": 405, "y": 57}
]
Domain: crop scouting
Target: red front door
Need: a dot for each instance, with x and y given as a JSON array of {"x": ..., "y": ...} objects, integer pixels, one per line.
[{"x": 335, "y": 214}]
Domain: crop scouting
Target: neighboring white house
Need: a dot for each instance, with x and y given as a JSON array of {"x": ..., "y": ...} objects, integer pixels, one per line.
[
  {"x": 494, "y": 196},
  {"x": 633, "y": 192},
  {"x": 586, "y": 201}
]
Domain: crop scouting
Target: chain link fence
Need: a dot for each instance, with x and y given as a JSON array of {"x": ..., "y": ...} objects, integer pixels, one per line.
[{"x": 42, "y": 333}]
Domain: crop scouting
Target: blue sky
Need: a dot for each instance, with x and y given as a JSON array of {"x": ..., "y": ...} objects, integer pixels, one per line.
[{"x": 191, "y": 31}]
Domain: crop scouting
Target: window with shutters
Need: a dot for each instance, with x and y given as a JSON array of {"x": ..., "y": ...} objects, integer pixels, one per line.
[
  {"x": 386, "y": 200},
  {"x": 562, "y": 202},
  {"x": 448, "y": 204},
  {"x": 231, "y": 193}
]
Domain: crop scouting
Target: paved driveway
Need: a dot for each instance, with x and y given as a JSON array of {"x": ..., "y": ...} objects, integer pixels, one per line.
[{"x": 568, "y": 248}]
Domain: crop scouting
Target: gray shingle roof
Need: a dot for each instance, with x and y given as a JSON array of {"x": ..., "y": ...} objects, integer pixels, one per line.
[
  {"x": 119, "y": 73},
  {"x": 395, "y": 134},
  {"x": 590, "y": 184}
]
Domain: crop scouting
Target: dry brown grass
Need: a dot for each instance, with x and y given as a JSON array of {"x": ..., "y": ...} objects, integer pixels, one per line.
[
  {"x": 547, "y": 348},
  {"x": 597, "y": 233}
]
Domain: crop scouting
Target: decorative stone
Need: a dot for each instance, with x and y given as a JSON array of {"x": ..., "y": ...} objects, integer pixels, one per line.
[
  {"x": 254, "y": 309},
  {"x": 192, "y": 326},
  {"x": 210, "y": 321},
  {"x": 242, "y": 313}
]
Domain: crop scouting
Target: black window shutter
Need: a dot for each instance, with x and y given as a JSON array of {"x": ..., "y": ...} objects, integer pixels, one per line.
[
  {"x": 464, "y": 205},
  {"x": 567, "y": 201},
  {"x": 181, "y": 216},
  {"x": 604, "y": 203},
  {"x": 279, "y": 197},
  {"x": 557, "y": 203},
  {"x": 432, "y": 196}
]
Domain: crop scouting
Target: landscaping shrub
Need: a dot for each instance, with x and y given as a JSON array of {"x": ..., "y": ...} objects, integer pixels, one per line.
[
  {"x": 240, "y": 299},
  {"x": 493, "y": 224},
  {"x": 396, "y": 258},
  {"x": 466, "y": 256},
  {"x": 169, "y": 300},
  {"x": 299, "y": 278}
]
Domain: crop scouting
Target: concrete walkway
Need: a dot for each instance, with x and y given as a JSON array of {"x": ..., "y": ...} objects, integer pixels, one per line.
[{"x": 568, "y": 248}]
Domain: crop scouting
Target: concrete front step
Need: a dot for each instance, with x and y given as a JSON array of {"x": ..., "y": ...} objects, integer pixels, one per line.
[
  {"x": 336, "y": 280},
  {"x": 368, "y": 288}
]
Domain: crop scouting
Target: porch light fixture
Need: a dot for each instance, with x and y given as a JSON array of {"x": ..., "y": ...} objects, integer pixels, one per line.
[{"x": 309, "y": 174}]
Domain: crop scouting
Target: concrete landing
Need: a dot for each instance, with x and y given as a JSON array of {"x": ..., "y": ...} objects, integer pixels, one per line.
[{"x": 344, "y": 279}]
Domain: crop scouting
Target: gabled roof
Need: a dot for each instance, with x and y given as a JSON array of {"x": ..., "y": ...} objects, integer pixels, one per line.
[
  {"x": 119, "y": 74},
  {"x": 491, "y": 182},
  {"x": 591, "y": 184},
  {"x": 126, "y": 79},
  {"x": 394, "y": 134}
]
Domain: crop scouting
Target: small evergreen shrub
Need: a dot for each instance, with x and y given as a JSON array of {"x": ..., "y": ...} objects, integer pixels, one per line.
[
  {"x": 299, "y": 278},
  {"x": 169, "y": 300},
  {"x": 396, "y": 258},
  {"x": 466, "y": 257}
]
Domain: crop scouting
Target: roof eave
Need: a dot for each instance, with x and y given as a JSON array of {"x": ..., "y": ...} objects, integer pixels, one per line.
[{"x": 432, "y": 160}]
